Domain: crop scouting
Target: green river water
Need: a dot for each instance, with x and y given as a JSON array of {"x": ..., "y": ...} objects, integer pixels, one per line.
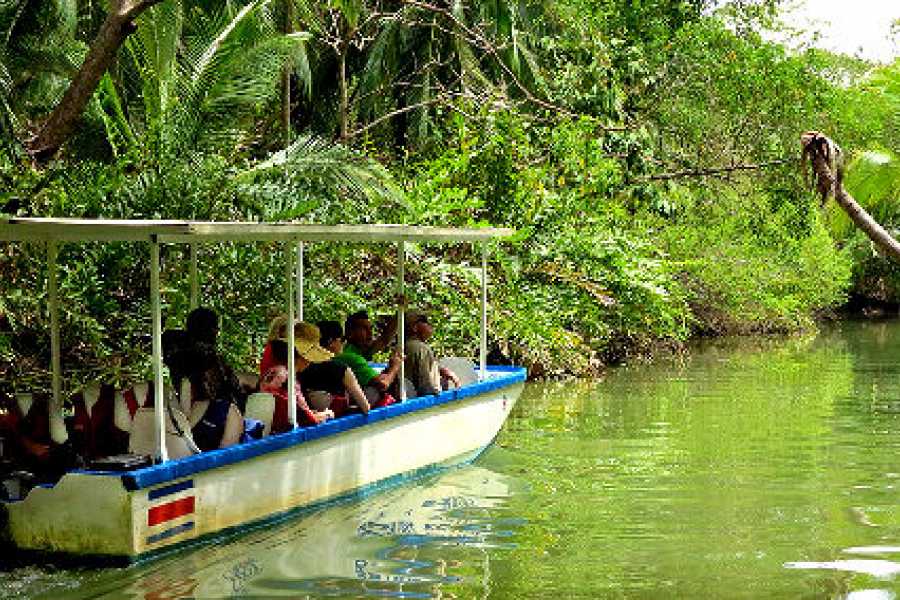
[{"x": 746, "y": 469}]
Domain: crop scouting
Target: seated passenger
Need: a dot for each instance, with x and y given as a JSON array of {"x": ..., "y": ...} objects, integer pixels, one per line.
[
  {"x": 332, "y": 336},
  {"x": 422, "y": 367},
  {"x": 216, "y": 411},
  {"x": 325, "y": 380},
  {"x": 277, "y": 331},
  {"x": 176, "y": 355},
  {"x": 27, "y": 431},
  {"x": 358, "y": 351},
  {"x": 275, "y": 382}
]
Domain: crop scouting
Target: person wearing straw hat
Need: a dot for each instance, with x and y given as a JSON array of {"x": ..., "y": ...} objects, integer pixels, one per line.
[
  {"x": 275, "y": 382},
  {"x": 324, "y": 380}
]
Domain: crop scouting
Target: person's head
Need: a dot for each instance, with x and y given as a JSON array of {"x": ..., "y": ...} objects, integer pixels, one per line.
[
  {"x": 358, "y": 329},
  {"x": 175, "y": 349},
  {"x": 278, "y": 328},
  {"x": 306, "y": 344},
  {"x": 280, "y": 352},
  {"x": 332, "y": 337},
  {"x": 203, "y": 325},
  {"x": 417, "y": 326}
]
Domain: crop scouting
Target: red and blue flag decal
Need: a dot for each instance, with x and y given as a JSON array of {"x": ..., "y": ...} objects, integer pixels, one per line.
[{"x": 169, "y": 504}]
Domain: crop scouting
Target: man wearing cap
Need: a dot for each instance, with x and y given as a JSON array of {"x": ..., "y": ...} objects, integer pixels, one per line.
[{"x": 422, "y": 367}]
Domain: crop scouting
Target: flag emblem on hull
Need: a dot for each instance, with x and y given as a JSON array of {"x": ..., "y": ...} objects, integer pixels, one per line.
[{"x": 170, "y": 512}]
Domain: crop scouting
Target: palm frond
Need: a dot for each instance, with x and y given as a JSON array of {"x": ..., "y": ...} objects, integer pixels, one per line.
[
  {"x": 10, "y": 13},
  {"x": 332, "y": 164},
  {"x": 218, "y": 45},
  {"x": 310, "y": 14},
  {"x": 118, "y": 130},
  {"x": 155, "y": 50},
  {"x": 301, "y": 66}
]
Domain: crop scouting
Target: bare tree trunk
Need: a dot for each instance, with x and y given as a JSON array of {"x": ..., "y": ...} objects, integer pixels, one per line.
[
  {"x": 117, "y": 26},
  {"x": 286, "y": 75},
  {"x": 826, "y": 159}
]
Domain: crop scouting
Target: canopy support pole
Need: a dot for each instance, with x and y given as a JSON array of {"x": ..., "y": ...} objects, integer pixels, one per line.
[
  {"x": 300, "y": 276},
  {"x": 55, "y": 362},
  {"x": 292, "y": 368},
  {"x": 482, "y": 354},
  {"x": 156, "y": 308},
  {"x": 195, "y": 279},
  {"x": 401, "y": 317}
]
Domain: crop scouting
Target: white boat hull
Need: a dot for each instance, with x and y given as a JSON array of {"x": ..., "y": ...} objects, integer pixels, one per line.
[{"x": 141, "y": 514}]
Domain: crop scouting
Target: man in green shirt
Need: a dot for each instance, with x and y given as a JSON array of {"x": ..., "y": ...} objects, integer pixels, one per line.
[{"x": 360, "y": 348}]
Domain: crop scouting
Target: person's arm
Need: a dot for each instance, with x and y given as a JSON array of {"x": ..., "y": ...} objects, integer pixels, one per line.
[
  {"x": 234, "y": 427},
  {"x": 313, "y": 417},
  {"x": 390, "y": 328},
  {"x": 448, "y": 374},
  {"x": 36, "y": 450},
  {"x": 383, "y": 380},
  {"x": 387, "y": 336},
  {"x": 355, "y": 392}
]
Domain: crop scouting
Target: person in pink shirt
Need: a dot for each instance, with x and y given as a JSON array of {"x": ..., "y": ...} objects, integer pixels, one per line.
[{"x": 275, "y": 381}]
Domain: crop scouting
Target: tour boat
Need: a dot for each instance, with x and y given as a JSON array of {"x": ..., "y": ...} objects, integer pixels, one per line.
[{"x": 142, "y": 512}]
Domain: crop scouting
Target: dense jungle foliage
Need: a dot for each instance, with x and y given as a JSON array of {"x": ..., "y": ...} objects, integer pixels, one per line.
[{"x": 646, "y": 153}]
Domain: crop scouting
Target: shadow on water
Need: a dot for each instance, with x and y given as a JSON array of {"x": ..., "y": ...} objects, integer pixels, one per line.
[{"x": 759, "y": 468}]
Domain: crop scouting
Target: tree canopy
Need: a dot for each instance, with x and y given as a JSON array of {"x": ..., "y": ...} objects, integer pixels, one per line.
[{"x": 645, "y": 151}]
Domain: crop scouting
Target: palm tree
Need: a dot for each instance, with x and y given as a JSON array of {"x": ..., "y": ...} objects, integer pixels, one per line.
[
  {"x": 397, "y": 61},
  {"x": 39, "y": 52},
  {"x": 828, "y": 170},
  {"x": 185, "y": 91}
]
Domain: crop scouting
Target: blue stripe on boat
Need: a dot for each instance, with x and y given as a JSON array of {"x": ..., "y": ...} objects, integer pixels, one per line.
[
  {"x": 171, "y": 489},
  {"x": 162, "y": 535},
  {"x": 185, "y": 467}
]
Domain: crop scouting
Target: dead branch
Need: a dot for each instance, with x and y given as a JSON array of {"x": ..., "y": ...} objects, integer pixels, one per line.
[{"x": 714, "y": 171}]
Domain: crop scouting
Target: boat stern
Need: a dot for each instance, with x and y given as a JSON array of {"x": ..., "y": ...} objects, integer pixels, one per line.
[{"x": 82, "y": 514}]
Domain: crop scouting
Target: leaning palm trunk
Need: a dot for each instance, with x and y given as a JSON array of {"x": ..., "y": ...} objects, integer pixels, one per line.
[
  {"x": 117, "y": 26},
  {"x": 826, "y": 160}
]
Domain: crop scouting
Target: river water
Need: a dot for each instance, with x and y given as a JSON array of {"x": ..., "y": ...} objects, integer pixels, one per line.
[{"x": 746, "y": 469}]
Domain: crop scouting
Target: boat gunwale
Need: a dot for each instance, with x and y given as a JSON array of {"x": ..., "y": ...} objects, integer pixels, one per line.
[{"x": 175, "y": 469}]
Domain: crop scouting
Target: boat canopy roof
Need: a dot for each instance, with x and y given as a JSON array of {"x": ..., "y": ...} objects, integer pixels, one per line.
[{"x": 110, "y": 230}]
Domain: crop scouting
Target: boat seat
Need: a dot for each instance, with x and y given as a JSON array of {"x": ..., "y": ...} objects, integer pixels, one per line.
[
  {"x": 142, "y": 394},
  {"x": 261, "y": 406},
  {"x": 122, "y": 416},
  {"x": 90, "y": 395},
  {"x": 57, "y": 427},
  {"x": 143, "y": 434},
  {"x": 24, "y": 402},
  {"x": 463, "y": 367},
  {"x": 410, "y": 389}
]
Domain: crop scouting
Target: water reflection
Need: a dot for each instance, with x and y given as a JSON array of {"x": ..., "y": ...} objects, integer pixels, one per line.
[{"x": 406, "y": 543}]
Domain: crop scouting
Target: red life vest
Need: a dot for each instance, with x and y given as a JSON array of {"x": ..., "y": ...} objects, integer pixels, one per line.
[{"x": 95, "y": 434}]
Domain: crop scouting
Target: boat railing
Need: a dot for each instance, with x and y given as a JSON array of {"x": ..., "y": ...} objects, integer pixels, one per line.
[{"x": 496, "y": 378}]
